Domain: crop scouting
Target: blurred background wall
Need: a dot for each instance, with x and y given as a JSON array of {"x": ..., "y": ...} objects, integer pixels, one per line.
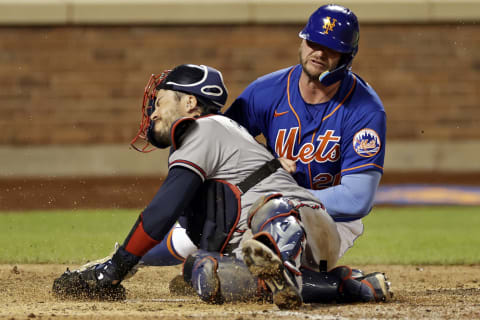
[{"x": 72, "y": 74}]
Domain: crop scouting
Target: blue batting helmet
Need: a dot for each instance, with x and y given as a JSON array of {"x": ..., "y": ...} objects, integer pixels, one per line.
[{"x": 334, "y": 27}]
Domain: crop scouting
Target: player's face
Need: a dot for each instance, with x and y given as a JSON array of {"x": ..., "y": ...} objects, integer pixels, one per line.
[
  {"x": 316, "y": 59},
  {"x": 168, "y": 108}
]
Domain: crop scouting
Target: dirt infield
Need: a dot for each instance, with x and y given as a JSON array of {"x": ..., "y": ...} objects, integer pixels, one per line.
[{"x": 430, "y": 292}]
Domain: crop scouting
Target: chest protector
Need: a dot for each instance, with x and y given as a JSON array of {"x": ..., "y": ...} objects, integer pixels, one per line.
[{"x": 213, "y": 215}]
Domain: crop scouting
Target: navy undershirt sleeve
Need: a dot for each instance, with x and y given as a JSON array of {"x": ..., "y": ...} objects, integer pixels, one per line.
[{"x": 175, "y": 194}]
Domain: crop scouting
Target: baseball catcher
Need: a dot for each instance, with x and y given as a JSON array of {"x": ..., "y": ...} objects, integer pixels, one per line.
[{"x": 259, "y": 235}]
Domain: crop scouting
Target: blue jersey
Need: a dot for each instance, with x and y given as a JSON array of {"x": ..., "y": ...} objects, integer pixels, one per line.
[{"x": 342, "y": 136}]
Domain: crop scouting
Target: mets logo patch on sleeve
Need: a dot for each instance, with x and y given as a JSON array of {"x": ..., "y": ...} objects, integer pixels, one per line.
[{"x": 366, "y": 143}]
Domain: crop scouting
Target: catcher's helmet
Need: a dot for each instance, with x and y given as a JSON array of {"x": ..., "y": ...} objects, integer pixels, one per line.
[
  {"x": 334, "y": 27},
  {"x": 205, "y": 83}
]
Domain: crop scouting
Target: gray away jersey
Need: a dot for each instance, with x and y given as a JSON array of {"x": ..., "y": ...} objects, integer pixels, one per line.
[{"x": 219, "y": 148}]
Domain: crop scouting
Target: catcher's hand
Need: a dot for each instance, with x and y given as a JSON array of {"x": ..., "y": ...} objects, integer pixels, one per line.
[
  {"x": 84, "y": 285},
  {"x": 289, "y": 165}
]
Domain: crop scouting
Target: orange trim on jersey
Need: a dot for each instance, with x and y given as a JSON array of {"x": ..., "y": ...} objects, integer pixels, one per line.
[
  {"x": 363, "y": 165},
  {"x": 309, "y": 164},
  {"x": 341, "y": 103},
  {"x": 291, "y": 107},
  {"x": 170, "y": 246}
]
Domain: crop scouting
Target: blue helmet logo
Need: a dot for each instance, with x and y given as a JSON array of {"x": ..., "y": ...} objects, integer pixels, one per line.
[{"x": 328, "y": 24}]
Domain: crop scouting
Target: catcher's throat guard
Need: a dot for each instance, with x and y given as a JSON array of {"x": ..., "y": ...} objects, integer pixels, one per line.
[{"x": 142, "y": 140}]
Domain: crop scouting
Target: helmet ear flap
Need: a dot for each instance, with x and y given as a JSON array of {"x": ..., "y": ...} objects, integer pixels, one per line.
[{"x": 347, "y": 58}]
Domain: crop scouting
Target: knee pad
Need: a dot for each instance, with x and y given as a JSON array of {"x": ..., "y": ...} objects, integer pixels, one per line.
[
  {"x": 267, "y": 208},
  {"x": 274, "y": 221},
  {"x": 218, "y": 279}
]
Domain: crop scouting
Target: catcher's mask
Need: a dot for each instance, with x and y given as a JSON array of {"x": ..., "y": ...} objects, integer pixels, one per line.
[
  {"x": 334, "y": 27},
  {"x": 205, "y": 83}
]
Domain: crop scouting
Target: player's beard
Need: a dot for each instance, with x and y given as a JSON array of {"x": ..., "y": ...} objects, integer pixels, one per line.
[
  {"x": 312, "y": 75},
  {"x": 162, "y": 138},
  {"x": 162, "y": 126},
  {"x": 158, "y": 137}
]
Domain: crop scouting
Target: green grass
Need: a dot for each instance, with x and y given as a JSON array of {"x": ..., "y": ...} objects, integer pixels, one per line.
[
  {"x": 418, "y": 235},
  {"x": 62, "y": 236},
  {"x": 408, "y": 235}
]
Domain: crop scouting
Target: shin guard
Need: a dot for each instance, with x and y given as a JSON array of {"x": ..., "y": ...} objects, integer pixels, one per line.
[
  {"x": 274, "y": 253},
  {"x": 218, "y": 279},
  {"x": 274, "y": 221}
]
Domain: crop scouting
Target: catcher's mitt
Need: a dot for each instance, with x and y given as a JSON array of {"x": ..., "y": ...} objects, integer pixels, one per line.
[
  {"x": 83, "y": 285},
  {"x": 99, "y": 279}
]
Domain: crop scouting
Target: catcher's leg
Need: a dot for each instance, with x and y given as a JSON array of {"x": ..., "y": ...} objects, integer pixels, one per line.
[
  {"x": 173, "y": 249},
  {"x": 218, "y": 279},
  {"x": 274, "y": 252}
]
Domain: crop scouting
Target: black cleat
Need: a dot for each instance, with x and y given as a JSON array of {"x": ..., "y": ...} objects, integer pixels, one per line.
[
  {"x": 266, "y": 265},
  {"x": 377, "y": 281}
]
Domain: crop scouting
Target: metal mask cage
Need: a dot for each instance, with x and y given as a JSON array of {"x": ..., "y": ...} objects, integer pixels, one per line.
[{"x": 140, "y": 141}]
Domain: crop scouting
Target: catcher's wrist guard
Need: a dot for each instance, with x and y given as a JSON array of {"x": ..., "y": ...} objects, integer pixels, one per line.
[{"x": 98, "y": 281}]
